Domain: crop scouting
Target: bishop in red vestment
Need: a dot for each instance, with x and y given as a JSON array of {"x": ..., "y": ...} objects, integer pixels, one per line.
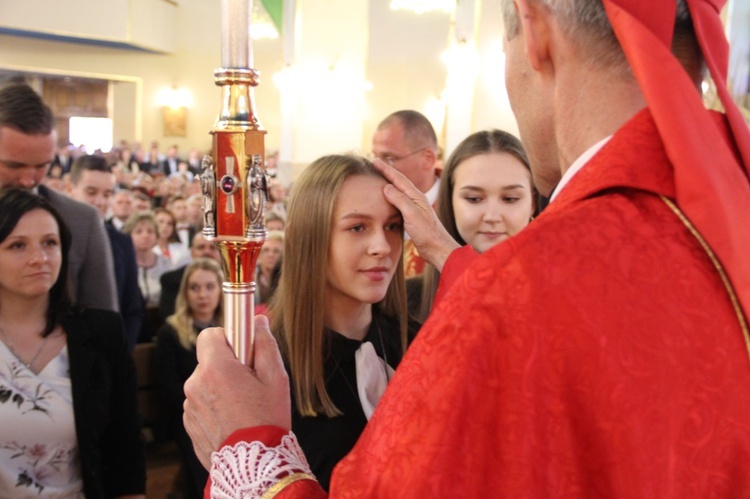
[{"x": 602, "y": 352}]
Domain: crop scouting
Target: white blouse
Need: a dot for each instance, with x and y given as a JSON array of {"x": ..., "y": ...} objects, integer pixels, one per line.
[
  {"x": 149, "y": 279},
  {"x": 38, "y": 444}
]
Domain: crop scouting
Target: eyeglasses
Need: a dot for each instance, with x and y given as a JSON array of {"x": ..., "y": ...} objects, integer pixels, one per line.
[{"x": 394, "y": 159}]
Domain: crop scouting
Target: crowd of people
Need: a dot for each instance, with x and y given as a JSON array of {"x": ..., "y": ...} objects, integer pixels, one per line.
[
  {"x": 603, "y": 350},
  {"x": 595, "y": 346},
  {"x": 104, "y": 258},
  {"x": 162, "y": 215},
  {"x": 342, "y": 346}
]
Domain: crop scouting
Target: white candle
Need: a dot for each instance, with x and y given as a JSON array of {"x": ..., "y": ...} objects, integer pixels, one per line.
[{"x": 236, "y": 44}]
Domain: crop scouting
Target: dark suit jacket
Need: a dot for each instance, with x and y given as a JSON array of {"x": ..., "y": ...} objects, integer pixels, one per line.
[
  {"x": 165, "y": 167},
  {"x": 126, "y": 277},
  {"x": 191, "y": 231},
  {"x": 90, "y": 266},
  {"x": 65, "y": 162},
  {"x": 103, "y": 379},
  {"x": 170, "y": 286}
]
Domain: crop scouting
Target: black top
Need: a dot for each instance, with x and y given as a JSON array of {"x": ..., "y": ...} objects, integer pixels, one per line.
[
  {"x": 325, "y": 440},
  {"x": 170, "y": 287},
  {"x": 175, "y": 364},
  {"x": 103, "y": 382}
]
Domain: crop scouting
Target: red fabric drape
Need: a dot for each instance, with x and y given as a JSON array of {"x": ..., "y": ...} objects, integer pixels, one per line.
[{"x": 711, "y": 175}]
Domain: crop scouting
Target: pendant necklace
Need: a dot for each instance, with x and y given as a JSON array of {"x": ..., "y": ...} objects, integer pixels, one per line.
[{"x": 10, "y": 346}]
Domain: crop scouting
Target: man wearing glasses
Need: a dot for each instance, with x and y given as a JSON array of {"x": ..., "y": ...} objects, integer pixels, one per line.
[{"x": 406, "y": 141}]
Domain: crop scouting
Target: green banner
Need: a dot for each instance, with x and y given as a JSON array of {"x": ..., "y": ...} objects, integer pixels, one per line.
[{"x": 274, "y": 9}]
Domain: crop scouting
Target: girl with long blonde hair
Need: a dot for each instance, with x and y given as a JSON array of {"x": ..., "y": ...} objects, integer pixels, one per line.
[
  {"x": 339, "y": 312},
  {"x": 198, "y": 306}
]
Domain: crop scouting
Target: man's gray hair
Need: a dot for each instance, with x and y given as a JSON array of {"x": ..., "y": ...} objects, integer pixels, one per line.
[{"x": 586, "y": 21}]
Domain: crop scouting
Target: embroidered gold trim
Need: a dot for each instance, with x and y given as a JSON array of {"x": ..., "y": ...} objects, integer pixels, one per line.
[
  {"x": 284, "y": 482},
  {"x": 719, "y": 268}
]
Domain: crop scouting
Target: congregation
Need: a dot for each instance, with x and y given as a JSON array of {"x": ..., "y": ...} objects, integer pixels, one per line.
[
  {"x": 426, "y": 330},
  {"x": 166, "y": 274}
]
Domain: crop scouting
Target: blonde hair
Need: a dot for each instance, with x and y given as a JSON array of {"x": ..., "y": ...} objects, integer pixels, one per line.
[
  {"x": 138, "y": 217},
  {"x": 182, "y": 319},
  {"x": 275, "y": 235},
  {"x": 298, "y": 307}
]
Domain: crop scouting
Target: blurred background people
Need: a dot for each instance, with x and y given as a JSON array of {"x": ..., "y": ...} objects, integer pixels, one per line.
[
  {"x": 268, "y": 263},
  {"x": 144, "y": 231},
  {"x": 198, "y": 306},
  {"x": 194, "y": 211},
  {"x": 169, "y": 243},
  {"x": 277, "y": 192},
  {"x": 275, "y": 221},
  {"x": 200, "y": 247},
  {"x": 406, "y": 141},
  {"x": 92, "y": 182},
  {"x": 121, "y": 207}
]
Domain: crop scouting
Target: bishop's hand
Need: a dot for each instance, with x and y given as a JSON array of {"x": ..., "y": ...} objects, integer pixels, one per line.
[
  {"x": 223, "y": 395},
  {"x": 420, "y": 221}
]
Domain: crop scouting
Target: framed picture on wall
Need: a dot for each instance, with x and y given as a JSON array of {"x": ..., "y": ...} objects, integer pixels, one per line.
[{"x": 175, "y": 121}]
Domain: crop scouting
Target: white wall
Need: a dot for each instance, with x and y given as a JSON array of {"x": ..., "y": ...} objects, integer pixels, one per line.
[
  {"x": 403, "y": 65},
  {"x": 143, "y": 23}
]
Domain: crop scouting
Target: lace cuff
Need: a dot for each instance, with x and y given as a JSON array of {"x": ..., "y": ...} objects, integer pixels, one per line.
[{"x": 252, "y": 469}]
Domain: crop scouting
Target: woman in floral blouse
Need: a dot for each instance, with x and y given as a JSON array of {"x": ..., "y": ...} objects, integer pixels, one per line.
[{"x": 67, "y": 381}]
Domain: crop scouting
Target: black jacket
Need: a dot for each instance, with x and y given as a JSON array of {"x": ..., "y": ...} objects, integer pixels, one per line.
[
  {"x": 126, "y": 278},
  {"x": 103, "y": 380}
]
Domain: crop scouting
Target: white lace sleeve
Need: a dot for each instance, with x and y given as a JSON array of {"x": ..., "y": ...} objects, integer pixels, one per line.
[{"x": 247, "y": 470}]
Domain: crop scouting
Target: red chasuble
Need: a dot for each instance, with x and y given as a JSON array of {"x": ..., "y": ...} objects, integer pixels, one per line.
[{"x": 596, "y": 354}]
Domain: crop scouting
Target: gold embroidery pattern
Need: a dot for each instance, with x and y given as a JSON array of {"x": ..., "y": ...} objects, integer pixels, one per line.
[{"x": 284, "y": 482}]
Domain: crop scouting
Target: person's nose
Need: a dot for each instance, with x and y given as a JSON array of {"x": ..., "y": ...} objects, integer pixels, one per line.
[
  {"x": 493, "y": 213},
  {"x": 27, "y": 180},
  {"x": 38, "y": 256},
  {"x": 379, "y": 245}
]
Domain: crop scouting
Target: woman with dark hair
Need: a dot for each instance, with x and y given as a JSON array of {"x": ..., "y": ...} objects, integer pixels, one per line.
[
  {"x": 486, "y": 196},
  {"x": 168, "y": 243},
  {"x": 67, "y": 381}
]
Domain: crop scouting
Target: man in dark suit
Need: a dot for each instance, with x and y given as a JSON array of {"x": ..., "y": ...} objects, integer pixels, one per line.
[
  {"x": 170, "y": 164},
  {"x": 92, "y": 182},
  {"x": 27, "y": 147},
  {"x": 63, "y": 159},
  {"x": 200, "y": 247}
]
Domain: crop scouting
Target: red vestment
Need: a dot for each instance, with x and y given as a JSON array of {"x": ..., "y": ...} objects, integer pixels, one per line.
[
  {"x": 596, "y": 353},
  {"x": 413, "y": 262}
]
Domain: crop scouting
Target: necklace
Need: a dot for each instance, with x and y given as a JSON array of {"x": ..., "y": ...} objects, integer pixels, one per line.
[{"x": 10, "y": 346}]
